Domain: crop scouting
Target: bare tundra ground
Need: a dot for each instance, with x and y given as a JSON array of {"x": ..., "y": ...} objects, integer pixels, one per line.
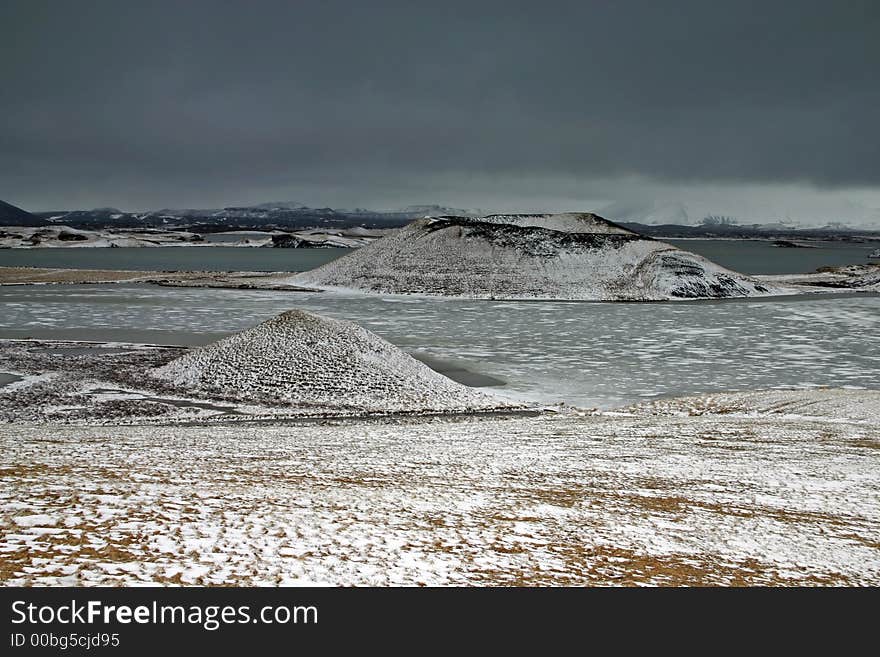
[{"x": 630, "y": 500}]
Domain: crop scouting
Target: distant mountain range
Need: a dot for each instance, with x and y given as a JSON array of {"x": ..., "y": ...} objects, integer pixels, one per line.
[
  {"x": 285, "y": 215},
  {"x": 669, "y": 220}
]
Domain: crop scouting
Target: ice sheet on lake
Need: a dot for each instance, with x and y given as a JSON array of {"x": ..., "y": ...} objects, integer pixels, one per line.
[{"x": 587, "y": 354}]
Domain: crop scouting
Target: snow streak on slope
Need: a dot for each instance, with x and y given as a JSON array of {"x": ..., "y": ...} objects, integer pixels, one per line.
[
  {"x": 567, "y": 256},
  {"x": 322, "y": 364}
]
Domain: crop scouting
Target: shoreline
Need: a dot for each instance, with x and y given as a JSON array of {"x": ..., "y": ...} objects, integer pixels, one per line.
[
  {"x": 845, "y": 279},
  {"x": 258, "y": 280}
]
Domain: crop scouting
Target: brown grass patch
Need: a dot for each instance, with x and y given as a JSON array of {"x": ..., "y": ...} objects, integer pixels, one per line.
[{"x": 607, "y": 565}]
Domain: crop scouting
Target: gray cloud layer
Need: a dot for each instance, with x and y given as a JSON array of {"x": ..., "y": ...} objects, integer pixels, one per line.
[{"x": 201, "y": 102}]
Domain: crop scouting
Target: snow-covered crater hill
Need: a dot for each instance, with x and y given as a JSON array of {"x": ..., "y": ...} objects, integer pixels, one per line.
[
  {"x": 296, "y": 366},
  {"x": 575, "y": 256},
  {"x": 321, "y": 366}
]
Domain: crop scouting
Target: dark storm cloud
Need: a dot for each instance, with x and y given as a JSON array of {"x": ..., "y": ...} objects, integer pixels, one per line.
[{"x": 161, "y": 101}]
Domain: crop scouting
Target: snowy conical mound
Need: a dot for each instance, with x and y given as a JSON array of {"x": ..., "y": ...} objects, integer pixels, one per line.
[
  {"x": 320, "y": 365},
  {"x": 561, "y": 256}
]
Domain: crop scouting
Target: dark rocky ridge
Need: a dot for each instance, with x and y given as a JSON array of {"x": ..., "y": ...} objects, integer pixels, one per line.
[{"x": 11, "y": 215}]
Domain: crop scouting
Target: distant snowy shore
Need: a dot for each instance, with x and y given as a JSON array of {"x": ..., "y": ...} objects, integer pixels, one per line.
[{"x": 65, "y": 237}]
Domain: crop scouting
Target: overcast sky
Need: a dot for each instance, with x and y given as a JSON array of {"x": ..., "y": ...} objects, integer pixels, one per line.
[{"x": 735, "y": 107}]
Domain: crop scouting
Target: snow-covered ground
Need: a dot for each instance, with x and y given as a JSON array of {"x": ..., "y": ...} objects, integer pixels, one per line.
[
  {"x": 710, "y": 499},
  {"x": 349, "y": 238},
  {"x": 566, "y": 256},
  {"x": 850, "y": 405}
]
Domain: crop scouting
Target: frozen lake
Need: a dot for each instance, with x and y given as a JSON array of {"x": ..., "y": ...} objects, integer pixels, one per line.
[{"x": 588, "y": 354}]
